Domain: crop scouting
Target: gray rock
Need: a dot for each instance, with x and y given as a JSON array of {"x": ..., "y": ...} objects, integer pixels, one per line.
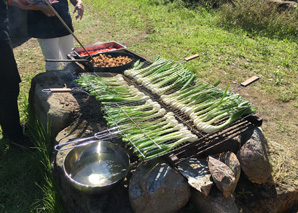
[
  {"x": 256, "y": 134},
  {"x": 254, "y": 161},
  {"x": 55, "y": 109},
  {"x": 197, "y": 173},
  {"x": 222, "y": 176},
  {"x": 156, "y": 187}
]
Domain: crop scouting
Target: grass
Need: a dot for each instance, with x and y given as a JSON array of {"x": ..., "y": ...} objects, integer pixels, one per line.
[
  {"x": 259, "y": 18},
  {"x": 173, "y": 30},
  {"x": 18, "y": 193}
]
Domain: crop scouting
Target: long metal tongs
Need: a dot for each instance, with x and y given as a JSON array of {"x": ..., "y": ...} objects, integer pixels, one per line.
[{"x": 102, "y": 135}]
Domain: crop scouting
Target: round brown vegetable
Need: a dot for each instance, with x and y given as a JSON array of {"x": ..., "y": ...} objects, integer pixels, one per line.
[{"x": 108, "y": 61}]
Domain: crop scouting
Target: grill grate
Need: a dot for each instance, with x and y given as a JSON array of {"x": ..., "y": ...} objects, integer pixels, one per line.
[{"x": 205, "y": 142}]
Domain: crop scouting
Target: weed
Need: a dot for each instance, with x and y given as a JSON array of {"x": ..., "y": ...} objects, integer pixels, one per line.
[
  {"x": 243, "y": 194},
  {"x": 282, "y": 128},
  {"x": 257, "y": 18}
]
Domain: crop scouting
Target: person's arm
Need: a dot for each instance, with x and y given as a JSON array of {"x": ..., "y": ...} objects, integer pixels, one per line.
[
  {"x": 29, "y": 5},
  {"x": 23, "y": 4},
  {"x": 79, "y": 7}
]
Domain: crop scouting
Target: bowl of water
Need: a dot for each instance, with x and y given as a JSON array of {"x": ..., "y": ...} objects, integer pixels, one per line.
[{"x": 97, "y": 167}]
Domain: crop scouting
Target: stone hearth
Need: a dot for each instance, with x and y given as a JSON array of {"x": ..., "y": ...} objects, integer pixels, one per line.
[{"x": 77, "y": 115}]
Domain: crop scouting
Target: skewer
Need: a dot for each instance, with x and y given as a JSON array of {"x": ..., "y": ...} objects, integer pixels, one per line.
[{"x": 70, "y": 31}]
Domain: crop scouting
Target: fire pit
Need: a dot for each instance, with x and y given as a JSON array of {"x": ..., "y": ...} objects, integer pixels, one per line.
[
  {"x": 203, "y": 141},
  {"x": 94, "y": 124}
]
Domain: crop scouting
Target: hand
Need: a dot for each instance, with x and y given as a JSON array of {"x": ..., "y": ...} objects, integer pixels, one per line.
[
  {"x": 80, "y": 9},
  {"x": 23, "y": 4}
]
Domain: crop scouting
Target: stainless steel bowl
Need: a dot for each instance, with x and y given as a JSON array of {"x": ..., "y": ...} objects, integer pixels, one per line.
[{"x": 96, "y": 167}]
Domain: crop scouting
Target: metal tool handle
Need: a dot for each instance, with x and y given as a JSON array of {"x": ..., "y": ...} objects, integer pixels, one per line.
[
  {"x": 82, "y": 141},
  {"x": 66, "y": 60},
  {"x": 57, "y": 90},
  {"x": 81, "y": 65}
]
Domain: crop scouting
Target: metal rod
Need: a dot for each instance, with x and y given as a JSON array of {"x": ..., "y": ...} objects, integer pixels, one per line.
[
  {"x": 70, "y": 31},
  {"x": 88, "y": 140}
]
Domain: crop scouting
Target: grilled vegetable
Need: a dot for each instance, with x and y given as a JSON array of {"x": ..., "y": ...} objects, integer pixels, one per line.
[
  {"x": 161, "y": 76},
  {"x": 113, "y": 89},
  {"x": 103, "y": 60},
  {"x": 207, "y": 106},
  {"x": 149, "y": 138},
  {"x": 148, "y": 128}
]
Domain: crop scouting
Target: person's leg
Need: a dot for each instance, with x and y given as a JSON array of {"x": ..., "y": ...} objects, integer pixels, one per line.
[
  {"x": 66, "y": 44},
  {"x": 9, "y": 91},
  {"x": 10, "y": 119},
  {"x": 50, "y": 50},
  {"x": 9, "y": 114}
]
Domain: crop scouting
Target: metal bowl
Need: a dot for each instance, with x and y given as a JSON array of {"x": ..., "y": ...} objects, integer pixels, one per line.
[{"x": 96, "y": 167}]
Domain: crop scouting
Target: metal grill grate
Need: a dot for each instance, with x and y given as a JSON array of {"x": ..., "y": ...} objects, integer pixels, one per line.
[{"x": 205, "y": 142}]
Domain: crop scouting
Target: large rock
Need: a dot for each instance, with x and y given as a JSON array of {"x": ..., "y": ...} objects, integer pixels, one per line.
[
  {"x": 57, "y": 109},
  {"x": 222, "y": 176},
  {"x": 197, "y": 173},
  {"x": 254, "y": 160},
  {"x": 231, "y": 160},
  {"x": 215, "y": 202},
  {"x": 156, "y": 187}
]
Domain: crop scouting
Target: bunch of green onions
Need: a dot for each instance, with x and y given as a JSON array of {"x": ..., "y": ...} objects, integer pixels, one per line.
[
  {"x": 110, "y": 89},
  {"x": 148, "y": 128},
  {"x": 161, "y": 76},
  {"x": 207, "y": 105}
]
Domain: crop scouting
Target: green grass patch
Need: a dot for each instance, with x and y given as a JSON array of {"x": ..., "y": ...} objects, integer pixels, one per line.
[
  {"x": 174, "y": 31},
  {"x": 26, "y": 181},
  {"x": 230, "y": 52},
  {"x": 259, "y": 18}
]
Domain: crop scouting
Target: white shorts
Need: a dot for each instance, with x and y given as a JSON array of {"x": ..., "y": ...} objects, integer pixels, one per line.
[{"x": 56, "y": 48}]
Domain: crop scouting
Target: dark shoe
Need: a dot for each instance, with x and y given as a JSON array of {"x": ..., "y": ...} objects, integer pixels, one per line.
[
  {"x": 23, "y": 125},
  {"x": 23, "y": 143}
]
